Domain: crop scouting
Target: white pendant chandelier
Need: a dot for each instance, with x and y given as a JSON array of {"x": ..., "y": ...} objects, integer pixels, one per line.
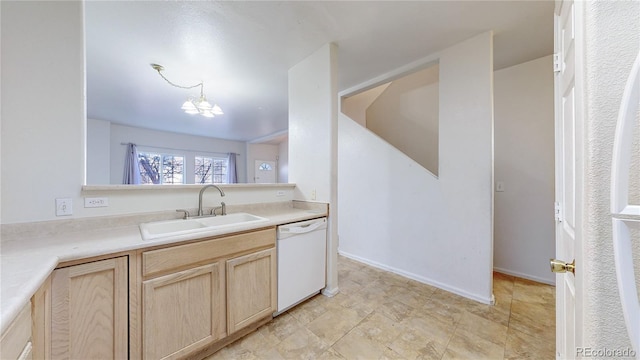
[{"x": 193, "y": 106}]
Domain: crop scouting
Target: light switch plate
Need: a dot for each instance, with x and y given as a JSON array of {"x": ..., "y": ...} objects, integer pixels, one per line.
[{"x": 64, "y": 207}]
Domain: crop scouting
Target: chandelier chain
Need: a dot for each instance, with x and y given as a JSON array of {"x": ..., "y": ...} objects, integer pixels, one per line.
[
  {"x": 179, "y": 86},
  {"x": 198, "y": 106}
]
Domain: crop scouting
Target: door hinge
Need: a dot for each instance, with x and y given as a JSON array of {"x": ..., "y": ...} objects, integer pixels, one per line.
[
  {"x": 557, "y": 63},
  {"x": 558, "y": 212}
]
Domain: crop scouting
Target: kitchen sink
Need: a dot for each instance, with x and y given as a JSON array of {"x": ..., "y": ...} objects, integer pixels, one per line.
[
  {"x": 229, "y": 219},
  {"x": 159, "y": 229}
]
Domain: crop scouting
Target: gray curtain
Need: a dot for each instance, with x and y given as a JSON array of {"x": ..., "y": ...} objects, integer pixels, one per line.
[
  {"x": 232, "y": 171},
  {"x": 131, "y": 169}
]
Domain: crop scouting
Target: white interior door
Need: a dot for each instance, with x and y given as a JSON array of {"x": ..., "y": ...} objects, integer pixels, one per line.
[
  {"x": 568, "y": 124},
  {"x": 265, "y": 172}
]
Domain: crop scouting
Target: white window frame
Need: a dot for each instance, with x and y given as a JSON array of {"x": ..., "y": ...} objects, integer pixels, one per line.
[
  {"x": 162, "y": 156},
  {"x": 213, "y": 159}
]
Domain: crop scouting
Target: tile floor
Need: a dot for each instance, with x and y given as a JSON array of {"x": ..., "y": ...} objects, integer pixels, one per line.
[{"x": 380, "y": 315}]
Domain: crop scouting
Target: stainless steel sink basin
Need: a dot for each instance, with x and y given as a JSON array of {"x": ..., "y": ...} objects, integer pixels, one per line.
[{"x": 159, "y": 229}]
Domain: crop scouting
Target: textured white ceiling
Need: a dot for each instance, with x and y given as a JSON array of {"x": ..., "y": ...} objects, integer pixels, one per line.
[{"x": 242, "y": 51}]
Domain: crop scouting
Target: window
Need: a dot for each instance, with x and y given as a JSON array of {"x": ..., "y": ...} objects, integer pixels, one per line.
[
  {"x": 210, "y": 170},
  {"x": 172, "y": 169},
  {"x": 161, "y": 168},
  {"x": 265, "y": 167}
]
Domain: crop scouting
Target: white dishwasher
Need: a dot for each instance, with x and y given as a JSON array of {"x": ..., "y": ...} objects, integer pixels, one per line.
[{"x": 302, "y": 256}]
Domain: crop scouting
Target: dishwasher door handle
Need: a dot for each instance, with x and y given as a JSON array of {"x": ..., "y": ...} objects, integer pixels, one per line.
[{"x": 302, "y": 229}]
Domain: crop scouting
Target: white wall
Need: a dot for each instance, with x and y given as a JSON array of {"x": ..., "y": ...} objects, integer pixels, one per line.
[
  {"x": 397, "y": 215},
  {"x": 310, "y": 116},
  {"x": 524, "y": 233},
  {"x": 355, "y": 106},
  {"x": 43, "y": 57},
  {"x": 612, "y": 41},
  {"x": 283, "y": 161},
  {"x": 99, "y": 152},
  {"x": 42, "y": 148},
  {"x": 313, "y": 112},
  {"x": 466, "y": 163},
  {"x": 166, "y": 142},
  {"x": 406, "y": 115}
]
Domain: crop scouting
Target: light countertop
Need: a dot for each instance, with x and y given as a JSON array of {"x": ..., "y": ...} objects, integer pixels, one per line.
[{"x": 26, "y": 262}]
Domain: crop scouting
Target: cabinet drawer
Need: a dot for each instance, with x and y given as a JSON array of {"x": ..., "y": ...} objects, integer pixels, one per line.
[
  {"x": 155, "y": 262},
  {"x": 15, "y": 341}
]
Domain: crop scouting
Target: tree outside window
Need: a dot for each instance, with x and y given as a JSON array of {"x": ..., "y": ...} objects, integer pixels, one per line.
[
  {"x": 172, "y": 169},
  {"x": 161, "y": 168},
  {"x": 210, "y": 170}
]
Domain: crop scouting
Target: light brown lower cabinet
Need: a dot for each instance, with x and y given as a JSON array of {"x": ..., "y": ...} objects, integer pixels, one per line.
[
  {"x": 165, "y": 303},
  {"x": 41, "y": 321},
  {"x": 15, "y": 342},
  {"x": 251, "y": 288},
  {"x": 196, "y": 295},
  {"x": 183, "y": 311},
  {"x": 89, "y": 310}
]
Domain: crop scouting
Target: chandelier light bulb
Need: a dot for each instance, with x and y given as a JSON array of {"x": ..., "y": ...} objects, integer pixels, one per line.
[
  {"x": 217, "y": 110},
  {"x": 188, "y": 105},
  {"x": 203, "y": 104}
]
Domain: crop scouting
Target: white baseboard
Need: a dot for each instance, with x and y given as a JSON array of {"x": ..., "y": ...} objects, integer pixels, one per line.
[
  {"x": 419, "y": 278},
  {"x": 524, "y": 276}
]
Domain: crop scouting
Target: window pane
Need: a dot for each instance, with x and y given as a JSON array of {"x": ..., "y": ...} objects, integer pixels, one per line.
[
  {"x": 220, "y": 171},
  {"x": 149, "y": 165},
  {"x": 264, "y": 167},
  {"x": 204, "y": 170},
  {"x": 172, "y": 169},
  {"x": 210, "y": 170}
]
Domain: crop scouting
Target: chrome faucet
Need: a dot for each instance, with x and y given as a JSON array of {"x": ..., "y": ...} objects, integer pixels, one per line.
[{"x": 200, "y": 213}]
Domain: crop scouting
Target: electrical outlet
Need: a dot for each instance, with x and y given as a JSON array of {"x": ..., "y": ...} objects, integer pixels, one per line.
[
  {"x": 313, "y": 194},
  {"x": 96, "y": 202},
  {"x": 64, "y": 207},
  {"x": 500, "y": 186},
  {"x": 279, "y": 193}
]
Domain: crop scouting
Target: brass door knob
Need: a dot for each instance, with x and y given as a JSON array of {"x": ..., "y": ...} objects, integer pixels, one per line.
[{"x": 558, "y": 266}]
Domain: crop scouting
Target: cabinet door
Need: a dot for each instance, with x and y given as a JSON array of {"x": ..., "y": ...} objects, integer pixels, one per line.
[
  {"x": 183, "y": 311},
  {"x": 15, "y": 342},
  {"x": 89, "y": 316},
  {"x": 41, "y": 321},
  {"x": 251, "y": 288}
]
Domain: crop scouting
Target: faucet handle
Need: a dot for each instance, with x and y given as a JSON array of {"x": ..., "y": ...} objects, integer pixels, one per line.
[
  {"x": 186, "y": 213},
  {"x": 222, "y": 207}
]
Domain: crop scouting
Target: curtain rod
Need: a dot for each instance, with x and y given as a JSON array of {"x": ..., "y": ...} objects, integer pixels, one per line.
[{"x": 166, "y": 148}]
